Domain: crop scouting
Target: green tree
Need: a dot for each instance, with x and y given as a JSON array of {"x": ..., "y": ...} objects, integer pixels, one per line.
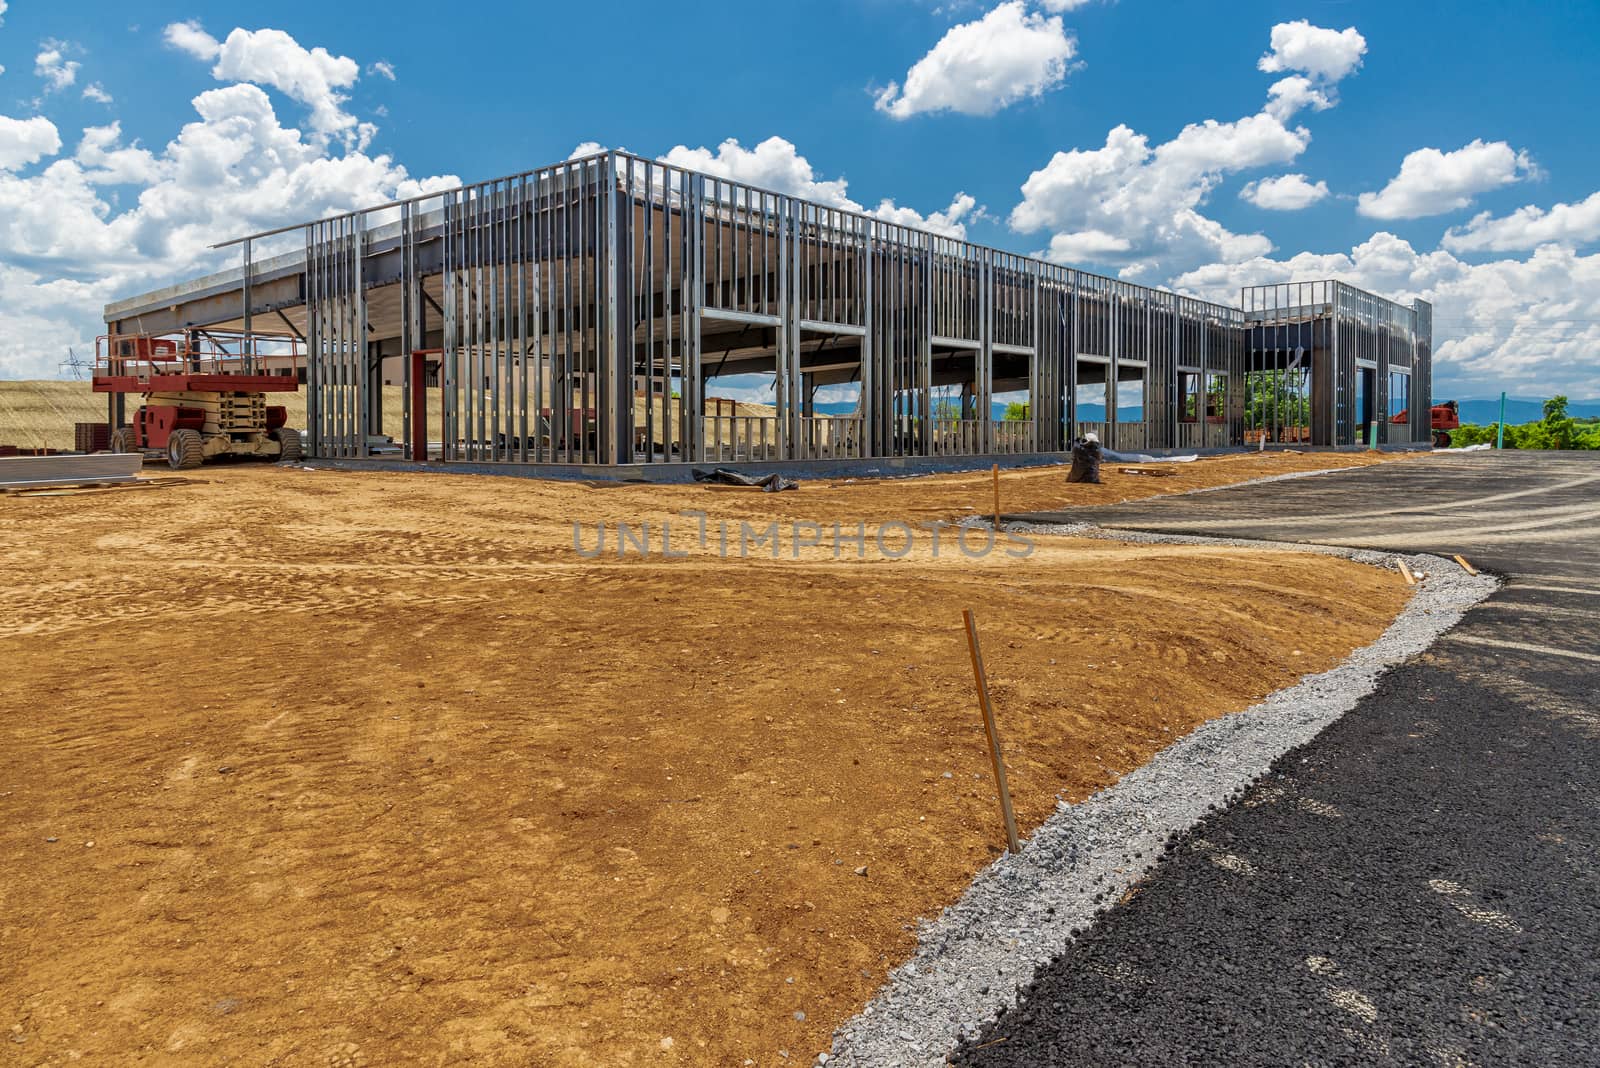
[
  {"x": 1474, "y": 434},
  {"x": 1017, "y": 412},
  {"x": 1557, "y": 430}
]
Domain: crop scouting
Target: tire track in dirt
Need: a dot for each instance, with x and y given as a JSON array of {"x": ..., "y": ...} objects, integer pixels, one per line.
[{"x": 376, "y": 767}]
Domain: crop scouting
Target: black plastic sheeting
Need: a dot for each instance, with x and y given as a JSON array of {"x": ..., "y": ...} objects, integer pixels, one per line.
[{"x": 772, "y": 483}]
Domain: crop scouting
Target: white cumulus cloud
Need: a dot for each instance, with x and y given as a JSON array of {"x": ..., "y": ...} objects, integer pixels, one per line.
[
  {"x": 1327, "y": 55},
  {"x": 116, "y": 218},
  {"x": 25, "y": 141},
  {"x": 1526, "y": 326},
  {"x": 96, "y": 92},
  {"x": 1130, "y": 204},
  {"x": 977, "y": 68},
  {"x": 947, "y": 223},
  {"x": 1432, "y": 182},
  {"x": 1529, "y": 227},
  {"x": 773, "y": 164},
  {"x": 777, "y": 165},
  {"x": 1286, "y": 192},
  {"x": 1315, "y": 59},
  {"x": 105, "y": 160},
  {"x": 235, "y": 169},
  {"x": 192, "y": 38},
  {"x": 52, "y": 65},
  {"x": 1136, "y": 206},
  {"x": 1294, "y": 94},
  {"x": 273, "y": 58}
]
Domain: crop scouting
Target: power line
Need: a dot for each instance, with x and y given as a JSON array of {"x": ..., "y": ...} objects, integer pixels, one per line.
[{"x": 75, "y": 362}]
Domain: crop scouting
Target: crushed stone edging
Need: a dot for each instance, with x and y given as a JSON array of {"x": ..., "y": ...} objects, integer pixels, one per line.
[{"x": 1022, "y": 910}]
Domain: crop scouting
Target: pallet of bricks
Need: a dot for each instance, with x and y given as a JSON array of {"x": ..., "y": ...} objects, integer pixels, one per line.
[{"x": 91, "y": 437}]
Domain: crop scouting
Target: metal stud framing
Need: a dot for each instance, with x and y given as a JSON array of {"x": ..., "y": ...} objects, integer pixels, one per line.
[
  {"x": 336, "y": 316},
  {"x": 585, "y": 312},
  {"x": 1330, "y": 364}
]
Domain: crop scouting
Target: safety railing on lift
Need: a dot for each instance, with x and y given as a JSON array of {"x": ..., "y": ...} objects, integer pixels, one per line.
[{"x": 142, "y": 356}]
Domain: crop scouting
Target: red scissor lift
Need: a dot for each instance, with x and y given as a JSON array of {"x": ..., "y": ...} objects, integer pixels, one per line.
[
  {"x": 200, "y": 400},
  {"x": 1442, "y": 418}
]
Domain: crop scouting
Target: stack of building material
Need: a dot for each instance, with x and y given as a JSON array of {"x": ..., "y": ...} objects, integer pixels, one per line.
[
  {"x": 91, "y": 437},
  {"x": 32, "y": 472}
]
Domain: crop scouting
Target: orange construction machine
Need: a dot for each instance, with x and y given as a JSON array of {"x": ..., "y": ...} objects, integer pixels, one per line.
[
  {"x": 201, "y": 401},
  {"x": 1443, "y": 418}
]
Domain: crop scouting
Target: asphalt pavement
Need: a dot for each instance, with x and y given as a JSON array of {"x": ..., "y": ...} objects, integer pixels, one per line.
[{"x": 1419, "y": 884}]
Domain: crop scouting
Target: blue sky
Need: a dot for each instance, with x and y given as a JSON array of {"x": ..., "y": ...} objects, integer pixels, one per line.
[{"x": 1440, "y": 150}]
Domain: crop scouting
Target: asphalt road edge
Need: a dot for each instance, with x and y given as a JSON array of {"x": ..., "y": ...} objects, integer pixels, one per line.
[{"x": 1023, "y": 910}]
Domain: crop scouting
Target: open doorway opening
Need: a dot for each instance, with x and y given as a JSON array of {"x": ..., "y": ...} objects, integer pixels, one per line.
[
  {"x": 1131, "y": 430},
  {"x": 1395, "y": 426},
  {"x": 1366, "y": 404},
  {"x": 1090, "y": 396},
  {"x": 411, "y": 406},
  {"x": 1278, "y": 405},
  {"x": 738, "y": 416},
  {"x": 1011, "y": 428},
  {"x": 831, "y": 421},
  {"x": 954, "y": 416}
]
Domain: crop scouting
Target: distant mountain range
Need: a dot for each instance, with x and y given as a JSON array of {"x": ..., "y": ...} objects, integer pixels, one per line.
[
  {"x": 1477, "y": 410},
  {"x": 1092, "y": 413},
  {"x": 1518, "y": 410}
]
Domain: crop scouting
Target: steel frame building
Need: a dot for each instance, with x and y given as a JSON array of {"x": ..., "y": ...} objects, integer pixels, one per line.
[
  {"x": 1348, "y": 366},
  {"x": 579, "y": 313}
]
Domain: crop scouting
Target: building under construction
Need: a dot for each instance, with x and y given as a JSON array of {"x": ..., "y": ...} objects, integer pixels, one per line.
[{"x": 598, "y": 311}]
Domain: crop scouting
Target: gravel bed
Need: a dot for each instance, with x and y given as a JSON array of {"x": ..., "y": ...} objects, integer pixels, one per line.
[{"x": 1023, "y": 910}]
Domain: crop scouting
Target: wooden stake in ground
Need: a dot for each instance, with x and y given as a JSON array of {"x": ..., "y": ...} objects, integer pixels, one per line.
[
  {"x": 1468, "y": 568},
  {"x": 997, "y": 498},
  {"x": 991, "y": 730},
  {"x": 1411, "y": 580}
]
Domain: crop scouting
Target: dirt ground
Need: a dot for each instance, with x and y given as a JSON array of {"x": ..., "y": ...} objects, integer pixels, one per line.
[{"x": 332, "y": 768}]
